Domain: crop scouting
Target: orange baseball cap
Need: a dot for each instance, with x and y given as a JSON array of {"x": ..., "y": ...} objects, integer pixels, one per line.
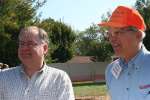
[{"x": 124, "y": 16}]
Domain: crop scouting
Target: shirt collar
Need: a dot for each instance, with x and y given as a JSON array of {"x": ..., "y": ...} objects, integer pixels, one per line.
[
  {"x": 136, "y": 60},
  {"x": 43, "y": 69}
]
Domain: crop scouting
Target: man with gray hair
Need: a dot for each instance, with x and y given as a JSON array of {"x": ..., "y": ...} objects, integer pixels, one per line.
[
  {"x": 33, "y": 79},
  {"x": 127, "y": 78}
]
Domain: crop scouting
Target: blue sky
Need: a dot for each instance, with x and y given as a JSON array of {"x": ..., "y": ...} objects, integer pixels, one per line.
[{"x": 80, "y": 14}]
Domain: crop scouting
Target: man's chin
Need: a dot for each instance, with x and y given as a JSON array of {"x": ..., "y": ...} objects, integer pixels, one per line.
[
  {"x": 117, "y": 54},
  {"x": 26, "y": 60},
  {"x": 26, "y": 57}
]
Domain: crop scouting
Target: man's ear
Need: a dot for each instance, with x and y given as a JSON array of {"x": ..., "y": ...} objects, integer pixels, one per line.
[
  {"x": 45, "y": 47},
  {"x": 139, "y": 35}
]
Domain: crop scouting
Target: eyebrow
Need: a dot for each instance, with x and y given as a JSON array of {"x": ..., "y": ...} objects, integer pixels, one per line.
[{"x": 28, "y": 41}]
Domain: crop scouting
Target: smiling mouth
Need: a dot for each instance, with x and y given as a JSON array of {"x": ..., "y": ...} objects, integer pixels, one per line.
[
  {"x": 26, "y": 55},
  {"x": 116, "y": 47}
]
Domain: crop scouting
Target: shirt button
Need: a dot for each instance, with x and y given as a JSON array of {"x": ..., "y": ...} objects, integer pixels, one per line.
[
  {"x": 129, "y": 74},
  {"x": 136, "y": 68},
  {"x": 127, "y": 89},
  {"x": 26, "y": 91}
]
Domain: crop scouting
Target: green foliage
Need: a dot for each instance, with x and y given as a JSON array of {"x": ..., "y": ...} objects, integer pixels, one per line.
[
  {"x": 62, "y": 54},
  {"x": 143, "y": 6},
  {"x": 62, "y": 38},
  {"x": 92, "y": 42}
]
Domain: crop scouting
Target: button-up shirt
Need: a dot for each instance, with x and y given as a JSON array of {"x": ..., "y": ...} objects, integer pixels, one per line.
[
  {"x": 47, "y": 84},
  {"x": 133, "y": 80}
]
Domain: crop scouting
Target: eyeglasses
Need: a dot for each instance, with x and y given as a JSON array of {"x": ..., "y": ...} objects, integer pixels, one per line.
[
  {"x": 120, "y": 32},
  {"x": 28, "y": 44},
  {"x": 115, "y": 33}
]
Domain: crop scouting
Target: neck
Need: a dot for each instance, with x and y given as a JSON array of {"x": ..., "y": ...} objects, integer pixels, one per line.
[
  {"x": 132, "y": 54},
  {"x": 30, "y": 70}
]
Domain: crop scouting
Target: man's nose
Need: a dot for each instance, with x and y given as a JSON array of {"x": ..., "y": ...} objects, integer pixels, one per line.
[{"x": 112, "y": 37}]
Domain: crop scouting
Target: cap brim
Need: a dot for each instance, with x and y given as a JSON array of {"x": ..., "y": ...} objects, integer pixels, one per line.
[{"x": 111, "y": 24}]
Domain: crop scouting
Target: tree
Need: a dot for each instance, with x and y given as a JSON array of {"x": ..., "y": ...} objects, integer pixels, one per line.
[
  {"x": 62, "y": 38},
  {"x": 92, "y": 42},
  {"x": 143, "y": 6},
  {"x": 86, "y": 39}
]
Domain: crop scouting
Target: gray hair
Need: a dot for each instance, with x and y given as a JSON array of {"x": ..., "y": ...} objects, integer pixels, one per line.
[
  {"x": 134, "y": 29},
  {"x": 41, "y": 32}
]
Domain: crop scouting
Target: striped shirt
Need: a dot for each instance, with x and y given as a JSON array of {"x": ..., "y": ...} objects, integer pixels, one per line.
[{"x": 46, "y": 84}]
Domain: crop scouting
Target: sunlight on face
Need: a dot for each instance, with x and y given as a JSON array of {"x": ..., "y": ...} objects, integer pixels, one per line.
[
  {"x": 123, "y": 41},
  {"x": 31, "y": 47}
]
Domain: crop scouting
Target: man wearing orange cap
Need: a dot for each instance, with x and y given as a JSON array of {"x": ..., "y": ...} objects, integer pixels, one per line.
[{"x": 127, "y": 78}]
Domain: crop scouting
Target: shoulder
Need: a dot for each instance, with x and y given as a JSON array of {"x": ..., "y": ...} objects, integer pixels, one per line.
[
  {"x": 61, "y": 82},
  {"x": 145, "y": 53},
  {"x": 55, "y": 70},
  {"x": 57, "y": 73},
  {"x": 8, "y": 74},
  {"x": 144, "y": 61},
  {"x": 9, "y": 70},
  {"x": 144, "y": 58}
]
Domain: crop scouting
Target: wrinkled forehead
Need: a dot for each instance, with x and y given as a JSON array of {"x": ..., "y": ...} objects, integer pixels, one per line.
[
  {"x": 29, "y": 35},
  {"x": 113, "y": 29}
]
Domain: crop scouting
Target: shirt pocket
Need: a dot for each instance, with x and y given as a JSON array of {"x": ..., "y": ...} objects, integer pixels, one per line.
[{"x": 145, "y": 93}]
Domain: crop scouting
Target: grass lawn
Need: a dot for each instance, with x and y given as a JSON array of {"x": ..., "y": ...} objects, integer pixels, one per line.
[{"x": 89, "y": 89}]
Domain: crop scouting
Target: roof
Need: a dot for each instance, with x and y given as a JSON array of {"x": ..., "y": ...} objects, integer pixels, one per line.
[{"x": 81, "y": 59}]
